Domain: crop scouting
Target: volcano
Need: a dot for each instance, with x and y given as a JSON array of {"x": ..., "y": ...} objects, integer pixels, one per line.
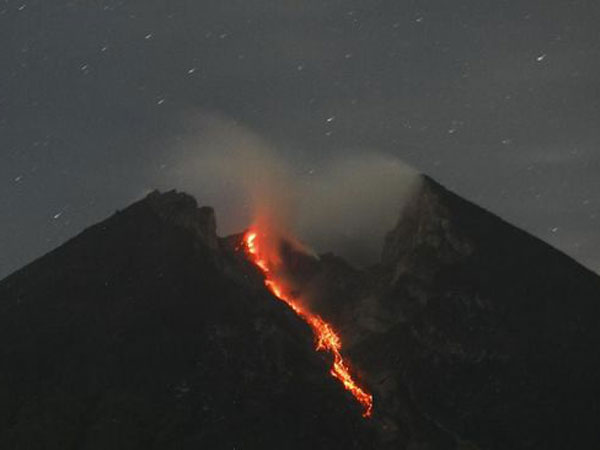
[{"x": 148, "y": 330}]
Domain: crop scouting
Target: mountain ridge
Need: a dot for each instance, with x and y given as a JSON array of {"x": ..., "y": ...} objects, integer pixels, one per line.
[
  {"x": 471, "y": 333},
  {"x": 135, "y": 334}
]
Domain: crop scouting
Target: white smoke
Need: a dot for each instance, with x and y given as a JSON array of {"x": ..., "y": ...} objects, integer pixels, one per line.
[{"x": 344, "y": 205}]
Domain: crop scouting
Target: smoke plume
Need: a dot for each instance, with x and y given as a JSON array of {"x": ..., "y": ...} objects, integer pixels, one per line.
[{"x": 343, "y": 204}]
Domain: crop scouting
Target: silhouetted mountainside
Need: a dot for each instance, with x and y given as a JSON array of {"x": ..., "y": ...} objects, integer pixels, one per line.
[
  {"x": 149, "y": 331},
  {"x": 500, "y": 332},
  {"x": 141, "y": 334},
  {"x": 472, "y": 333}
]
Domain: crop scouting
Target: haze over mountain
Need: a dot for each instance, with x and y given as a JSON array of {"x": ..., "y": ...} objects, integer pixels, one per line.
[{"x": 148, "y": 330}]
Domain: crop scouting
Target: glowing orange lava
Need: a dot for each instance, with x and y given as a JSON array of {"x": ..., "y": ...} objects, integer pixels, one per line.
[{"x": 326, "y": 337}]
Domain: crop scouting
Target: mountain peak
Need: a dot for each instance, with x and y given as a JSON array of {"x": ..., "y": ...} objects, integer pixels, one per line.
[
  {"x": 425, "y": 235},
  {"x": 470, "y": 334},
  {"x": 182, "y": 210},
  {"x": 496, "y": 316}
]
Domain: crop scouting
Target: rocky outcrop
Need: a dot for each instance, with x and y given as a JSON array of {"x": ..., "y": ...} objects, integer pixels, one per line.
[
  {"x": 426, "y": 237},
  {"x": 182, "y": 210}
]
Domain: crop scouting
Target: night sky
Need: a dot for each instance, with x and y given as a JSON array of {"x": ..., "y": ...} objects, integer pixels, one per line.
[{"x": 499, "y": 100}]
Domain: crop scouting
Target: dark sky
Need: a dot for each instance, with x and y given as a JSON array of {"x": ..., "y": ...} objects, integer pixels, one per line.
[{"x": 498, "y": 100}]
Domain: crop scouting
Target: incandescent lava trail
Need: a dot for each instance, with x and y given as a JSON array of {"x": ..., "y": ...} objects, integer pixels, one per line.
[{"x": 326, "y": 337}]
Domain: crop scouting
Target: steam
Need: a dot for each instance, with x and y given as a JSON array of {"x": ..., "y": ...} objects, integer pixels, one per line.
[
  {"x": 352, "y": 202},
  {"x": 345, "y": 205}
]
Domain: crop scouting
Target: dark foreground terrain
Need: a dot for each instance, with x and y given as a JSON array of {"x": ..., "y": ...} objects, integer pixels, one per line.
[{"x": 147, "y": 331}]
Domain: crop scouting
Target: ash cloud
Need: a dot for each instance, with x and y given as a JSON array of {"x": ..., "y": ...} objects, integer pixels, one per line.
[{"x": 344, "y": 204}]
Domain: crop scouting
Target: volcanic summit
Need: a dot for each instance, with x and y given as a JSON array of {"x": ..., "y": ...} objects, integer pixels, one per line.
[{"x": 148, "y": 330}]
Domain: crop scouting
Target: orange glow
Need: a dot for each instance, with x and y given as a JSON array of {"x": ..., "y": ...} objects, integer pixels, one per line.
[{"x": 326, "y": 337}]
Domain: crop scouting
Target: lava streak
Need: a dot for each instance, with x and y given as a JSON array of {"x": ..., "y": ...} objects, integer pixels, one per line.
[{"x": 326, "y": 337}]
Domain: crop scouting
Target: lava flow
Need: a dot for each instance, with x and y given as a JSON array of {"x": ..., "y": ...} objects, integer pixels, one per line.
[{"x": 326, "y": 337}]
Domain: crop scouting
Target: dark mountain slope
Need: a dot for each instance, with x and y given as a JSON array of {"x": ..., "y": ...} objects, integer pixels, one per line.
[
  {"x": 492, "y": 332},
  {"x": 471, "y": 333},
  {"x": 141, "y": 334},
  {"x": 148, "y": 331}
]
